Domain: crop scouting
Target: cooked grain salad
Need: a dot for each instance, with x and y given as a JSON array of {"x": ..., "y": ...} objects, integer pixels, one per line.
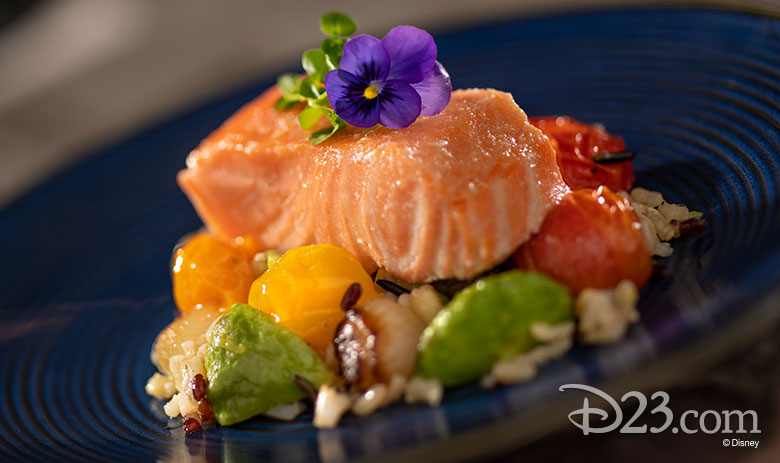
[{"x": 373, "y": 236}]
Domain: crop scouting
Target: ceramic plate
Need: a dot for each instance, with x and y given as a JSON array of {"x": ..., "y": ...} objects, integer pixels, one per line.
[{"x": 85, "y": 286}]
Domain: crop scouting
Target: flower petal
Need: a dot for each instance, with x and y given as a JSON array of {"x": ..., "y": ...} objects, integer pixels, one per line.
[
  {"x": 412, "y": 53},
  {"x": 365, "y": 57},
  {"x": 341, "y": 84},
  {"x": 358, "y": 111},
  {"x": 345, "y": 92},
  {"x": 435, "y": 90},
  {"x": 400, "y": 104}
]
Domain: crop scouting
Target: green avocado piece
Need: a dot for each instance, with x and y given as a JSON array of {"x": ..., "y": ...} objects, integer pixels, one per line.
[
  {"x": 487, "y": 322},
  {"x": 251, "y": 361}
]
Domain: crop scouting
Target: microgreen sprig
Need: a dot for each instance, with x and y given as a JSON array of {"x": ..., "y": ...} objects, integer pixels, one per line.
[
  {"x": 364, "y": 81},
  {"x": 317, "y": 62}
]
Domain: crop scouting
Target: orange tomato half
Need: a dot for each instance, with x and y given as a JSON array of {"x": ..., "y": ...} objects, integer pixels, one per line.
[{"x": 210, "y": 273}]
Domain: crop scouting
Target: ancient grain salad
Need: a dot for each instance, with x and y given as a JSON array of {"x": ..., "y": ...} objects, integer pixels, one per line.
[{"x": 373, "y": 236}]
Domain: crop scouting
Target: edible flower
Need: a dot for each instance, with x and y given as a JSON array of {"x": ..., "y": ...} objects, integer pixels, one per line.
[
  {"x": 364, "y": 81},
  {"x": 390, "y": 81}
]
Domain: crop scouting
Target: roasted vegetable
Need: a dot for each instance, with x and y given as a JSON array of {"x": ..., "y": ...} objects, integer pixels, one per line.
[
  {"x": 377, "y": 341},
  {"x": 576, "y": 144},
  {"x": 303, "y": 289},
  {"x": 189, "y": 326},
  {"x": 592, "y": 239},
  {"x": 208, "y": 272},
  {"x": 252, "y": 362},
  {"x": 487, "y": 322}
]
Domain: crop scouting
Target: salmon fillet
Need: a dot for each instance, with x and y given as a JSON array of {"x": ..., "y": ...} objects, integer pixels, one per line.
[{"x": 450, "y": 196}]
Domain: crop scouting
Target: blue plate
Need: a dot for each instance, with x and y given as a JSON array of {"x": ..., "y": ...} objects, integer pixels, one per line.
[{"x": 85, "y": 288}]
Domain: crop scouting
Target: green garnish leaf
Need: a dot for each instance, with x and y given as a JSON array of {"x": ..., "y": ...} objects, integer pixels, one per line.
[
  {"x": 333, "y": 49},
  {"x": 309, "y": 116},
  {"x": 315, "y": 64},
  {"x": 323, "y": 134},
  {"x": 289, "y": 87},
  {"x": 309, "y": 89},
  {"x": 337, "y": 24},
  {"x": 696, "y": 214},
  {"x": 288, "y": 84},
  {"x": 284, "y": 103}
]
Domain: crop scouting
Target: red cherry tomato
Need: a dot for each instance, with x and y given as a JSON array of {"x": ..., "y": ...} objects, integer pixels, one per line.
[
  {"x": 576, "y": 143},
  {"x": 592, "y": 239}
]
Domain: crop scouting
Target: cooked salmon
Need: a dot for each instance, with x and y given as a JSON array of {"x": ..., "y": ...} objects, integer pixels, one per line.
[{"x": 448, "y": 197}]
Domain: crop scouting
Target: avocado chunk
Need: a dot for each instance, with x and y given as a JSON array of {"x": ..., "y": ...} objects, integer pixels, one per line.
[
  {"x": 251, "y": 362},
  {"x": 487, "y": 322}
]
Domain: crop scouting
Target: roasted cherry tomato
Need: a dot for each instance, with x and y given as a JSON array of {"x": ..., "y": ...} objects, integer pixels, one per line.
[
  {"x": 576, "y": 143},
  {"x": 208, "y": 272},
  {"x": 592, "y": 239},
  {"x": 303, "y": 291}
]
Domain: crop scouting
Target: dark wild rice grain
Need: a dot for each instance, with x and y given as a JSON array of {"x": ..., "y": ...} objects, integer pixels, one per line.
[
  {"x": 692, "y": 225},
  {"x": 205, "y": 410},
  {"x": 198, "y": 387},
  {"x": 191, "y": 424},
  {"x": 659, "y": 270},
  {"x": 391, "y": 287},
  {"x": 307, "y": 387},
  {"x": 611, "y": 158},
  {"x": 351, "y": 296}
]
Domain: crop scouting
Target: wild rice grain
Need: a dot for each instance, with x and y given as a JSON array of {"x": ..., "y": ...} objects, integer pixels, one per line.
[
  {"x": 693, "y": 225},
  {"x": 160, "y": 386},
  {"x": 676, "y": 212},
  {"x": 205, "y": 410},
  {"x": 286, "y": 412},
  {"x": 425, "y": 302},
  {"x": 660, "y": 270},
  {"x": 329, "y": 407},
  {"x": 662, "y": 225},
  {"x": 351, "y": 296},
  {"x": 647, "y": 197},
  {"x": 171, "y": 407},
  {"x": 198, "y": 387},
  {"x": 544, "y": 332},
  {"x": 605, "y": 314},
  {"x": 425, "y": 390},
  {"x": 307, "y": 387},
  {"x": 613, "y": 157},
  {"x": 191, "y": 424},
  {"x": 391, "y": 287},
  {"x": 663, "y": 250},
  {"x": 370, "y": 400}
]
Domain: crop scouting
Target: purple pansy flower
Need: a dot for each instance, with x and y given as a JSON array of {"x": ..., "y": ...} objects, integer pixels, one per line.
[{"x": 390, "y": 81}]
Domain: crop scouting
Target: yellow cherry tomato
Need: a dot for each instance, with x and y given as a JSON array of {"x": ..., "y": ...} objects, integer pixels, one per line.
[
  {"x": 246, "y": 244},
  {"x": 303, "y": 291},
  {"x": 208, "y": 272}
]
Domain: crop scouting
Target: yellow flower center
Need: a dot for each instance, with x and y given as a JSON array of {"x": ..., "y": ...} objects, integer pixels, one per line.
[{"x": 371, "y": 92}]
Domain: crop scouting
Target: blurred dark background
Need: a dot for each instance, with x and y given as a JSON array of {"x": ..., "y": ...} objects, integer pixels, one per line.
[
  {"x": 11, "y": 9},
  {"x": 76, "y": 74}
]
